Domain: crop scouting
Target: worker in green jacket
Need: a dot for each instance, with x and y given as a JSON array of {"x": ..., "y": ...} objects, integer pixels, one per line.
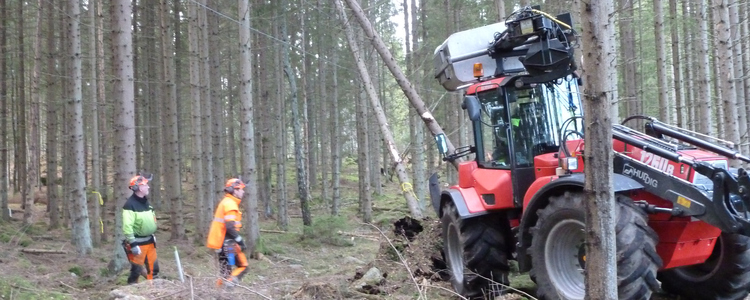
[{"x": 139, "y": 226}]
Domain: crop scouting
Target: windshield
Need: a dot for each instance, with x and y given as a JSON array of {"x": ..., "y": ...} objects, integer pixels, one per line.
[{"x": 532, "y": 117}]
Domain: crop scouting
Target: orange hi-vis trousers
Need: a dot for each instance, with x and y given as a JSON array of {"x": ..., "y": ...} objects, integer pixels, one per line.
[
  {"x": 147, "y": 260},
  {"x": 240, "y": 262}
]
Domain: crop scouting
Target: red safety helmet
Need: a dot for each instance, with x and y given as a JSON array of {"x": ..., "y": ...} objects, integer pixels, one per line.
[
  {"x": 234, "y": 184},
  {"x": 138, "y": 180}
]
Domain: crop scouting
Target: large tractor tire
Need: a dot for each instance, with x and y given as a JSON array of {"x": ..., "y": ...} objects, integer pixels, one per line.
[
  {"x": 558, "y": 250},
  {"x": 725, "y": 275},
  {"x": 475, "y": 251}
]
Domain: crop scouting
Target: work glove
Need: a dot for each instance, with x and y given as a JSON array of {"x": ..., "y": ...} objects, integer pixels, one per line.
[
  {"x": 135, "y": 250},
  {"x": 240, "y": 242}
]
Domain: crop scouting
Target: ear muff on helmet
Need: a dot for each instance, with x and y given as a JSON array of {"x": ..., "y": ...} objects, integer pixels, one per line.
[
  {"x": 137, "y": 181},
  {"x": 233, "y": 184}
]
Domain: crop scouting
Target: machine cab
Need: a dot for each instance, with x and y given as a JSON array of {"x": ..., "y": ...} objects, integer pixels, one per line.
[{"x": 517, "y": 122}]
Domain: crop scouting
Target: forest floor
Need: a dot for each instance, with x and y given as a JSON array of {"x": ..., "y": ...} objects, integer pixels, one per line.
[{"x": 329, "y": 261}]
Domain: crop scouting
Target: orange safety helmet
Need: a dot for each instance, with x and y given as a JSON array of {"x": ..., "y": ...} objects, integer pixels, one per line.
[
  {"x": 233, "y": 184},
  {"x": 138, "y": 180}
]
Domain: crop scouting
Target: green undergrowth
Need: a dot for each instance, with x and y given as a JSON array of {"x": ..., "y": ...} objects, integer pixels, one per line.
[{"x": 22, "y": 289}]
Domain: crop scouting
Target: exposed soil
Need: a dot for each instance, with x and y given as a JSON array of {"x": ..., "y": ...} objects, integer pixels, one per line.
[{"x": 404, "y": 256}]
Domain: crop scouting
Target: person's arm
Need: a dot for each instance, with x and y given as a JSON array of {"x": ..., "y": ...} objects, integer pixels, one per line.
[
  {"x": 233, "y": 228},
  {"x": 232, "y": 225},
  {"x": 128, "y": 222}
]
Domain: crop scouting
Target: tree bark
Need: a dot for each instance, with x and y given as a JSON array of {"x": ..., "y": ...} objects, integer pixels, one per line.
[
  {"x": 739, "y": 72},
  {"x": 705, "y": 123},
  {"x": 676, "y": 64},
  {"x": 661, "y": 63},
  {"x": 196, "y": 165},
  {"x": 81, "y": 233},
  {"x": 403, "y": 176},
  {"x": 500, "y": 9},
  {"x": 250, "y": 176},
  {"x": 335, "y": 144},
  {"x": 404, "y": 83},
  {"x": 299, "y": 153},
  {"x": 599, "y": 94},
  {"x": 124, "y": 126},
  {"x": 172, "y": 158},
  {"x": 96, "y": 224},
  {"x": 51, "y": 113},
  {"x": 4, "y": 210},
  {"x": 22, "y": 147},
  {"x": 725, "y": 63}
]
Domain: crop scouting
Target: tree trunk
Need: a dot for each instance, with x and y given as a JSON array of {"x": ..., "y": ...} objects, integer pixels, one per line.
[
  {"x": 299, "y": 154},
  {"x": 207, "y": 154},
  {"x": 725, "y": 63},
  {"x": 106, "y": 135},
  {"x": 196, "y": 164},
  {"x": 687, "y": 67},
  {"x": 22, "y": 147},
  {"x": 96, "y": 225},
  {"x": 406, "y": 86},
  {"x": 739, "y": 72},
  {"x": 248, "y": 130},
  {"x": 419, "y": 162},
  {"x": 4, "y": 210},
  {"x": 600, "y": 88},
  {"x": 217, "y": 111},
  {"x": 705, "y": 123},
  {"x": 661, "y": 63},
  {"x": 124, "y": 125},
  {"x": 281, "y": 136},
  {"x": 676, "y": 64},
  {"x": 629, "y": 62},
  {"x": 51, "y": 114},
  {"x": 746, "y": 63},
  {"x": 335, "y": 144},
  {"x": 81, "y": 233},
  {"x": 172, "y": 158},
  {"x": 403, "y": 176},
  {"x": 500, "y": 9}
]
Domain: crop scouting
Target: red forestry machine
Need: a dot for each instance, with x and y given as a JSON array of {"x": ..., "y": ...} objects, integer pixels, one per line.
[{"x": 682, "y": 221}]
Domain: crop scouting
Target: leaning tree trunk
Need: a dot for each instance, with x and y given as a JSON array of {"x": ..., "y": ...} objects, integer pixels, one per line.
[
  {"x": 600, "y": 92},
  {"x": 403, "y": 82},
  {"x": 124, "y": 125},
  {"x": 403, "y": 176}
]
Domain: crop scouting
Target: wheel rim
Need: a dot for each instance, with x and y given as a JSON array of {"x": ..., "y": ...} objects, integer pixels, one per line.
[
  {"x": 455, "y": 254},
  {"x": 706, "y": 270},
  {"x": 564, "y": 257}
]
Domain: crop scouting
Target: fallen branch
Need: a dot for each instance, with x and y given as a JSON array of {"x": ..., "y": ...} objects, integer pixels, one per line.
[
  {"x": 272, "y": 231},
  {"x": 372, "y": 238},
  {"x": 42, "y": 251},
  {"x": 65, "y": 284}
]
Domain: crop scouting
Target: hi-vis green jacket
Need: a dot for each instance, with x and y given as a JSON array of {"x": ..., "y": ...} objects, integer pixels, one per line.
[{"x": 138, "y": 221}]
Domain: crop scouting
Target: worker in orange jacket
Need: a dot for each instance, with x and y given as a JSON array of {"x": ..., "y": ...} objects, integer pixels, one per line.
[{"x": 224, "y": 235}]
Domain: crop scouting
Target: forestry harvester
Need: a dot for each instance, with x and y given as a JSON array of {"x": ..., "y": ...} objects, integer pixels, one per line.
[{"x": 682, "y": 221}]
